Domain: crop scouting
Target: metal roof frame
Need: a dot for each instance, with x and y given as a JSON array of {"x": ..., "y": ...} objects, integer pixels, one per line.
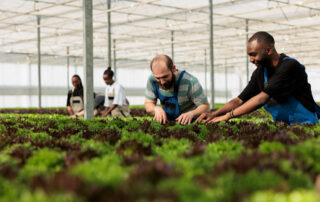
[{"x": 142, "y": 28}]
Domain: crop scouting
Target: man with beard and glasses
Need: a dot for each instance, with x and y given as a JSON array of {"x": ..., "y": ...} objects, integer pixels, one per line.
[
  {"x": 279, "y": 83},
  {"x": 181, "y": 95}
]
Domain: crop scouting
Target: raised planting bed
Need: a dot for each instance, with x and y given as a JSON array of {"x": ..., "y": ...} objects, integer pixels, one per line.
[
  {"x": 135, "y": 111},
  {"x": 57, "y": 158}
]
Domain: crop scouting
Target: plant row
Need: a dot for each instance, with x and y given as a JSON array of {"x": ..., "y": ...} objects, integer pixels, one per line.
[{"x": 57, "y": 158}]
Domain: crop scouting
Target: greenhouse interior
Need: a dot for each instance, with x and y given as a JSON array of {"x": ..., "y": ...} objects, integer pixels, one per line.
[{"x": 226, "y": 144}]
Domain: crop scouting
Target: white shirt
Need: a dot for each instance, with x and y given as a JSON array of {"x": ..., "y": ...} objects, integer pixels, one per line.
[{"x": 117, "y": 92}]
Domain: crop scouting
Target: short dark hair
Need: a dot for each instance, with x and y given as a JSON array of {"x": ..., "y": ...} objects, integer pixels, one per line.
[
  {"x": 108, "y": 72},
  {"x": 264, "y": 37},
  {"x": 164, "y": 58}
]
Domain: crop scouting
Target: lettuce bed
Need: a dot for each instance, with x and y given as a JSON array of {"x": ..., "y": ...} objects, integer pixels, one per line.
[{"x": 57, "y": 158}]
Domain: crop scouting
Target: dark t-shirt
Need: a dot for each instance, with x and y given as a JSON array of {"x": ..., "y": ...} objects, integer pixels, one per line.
[{"x": 287, "y": 79}]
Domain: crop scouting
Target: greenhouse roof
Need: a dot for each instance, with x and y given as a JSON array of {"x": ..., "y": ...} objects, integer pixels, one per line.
[{"x": 142, "y": 29}]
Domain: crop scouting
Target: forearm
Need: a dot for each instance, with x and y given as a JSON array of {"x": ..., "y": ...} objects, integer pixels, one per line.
[
  {"x": 80, "y": 113},
  {"x": 149, "y": 106},
  {"x": 112, "y": 108},
  {"x": 201, "y": 109},
  {"x": 105, "y": 112},
  {"x": 252, "y": 104},
  {"x": 232, "y": 104},
  {"x": 70, "y": 110},
  {"x": 109, "y": 109}
]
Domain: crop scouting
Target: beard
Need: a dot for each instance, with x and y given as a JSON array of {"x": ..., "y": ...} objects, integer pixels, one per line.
[
  {"x": 169, "y": 84},
  {"x": 264, "y": 62}
]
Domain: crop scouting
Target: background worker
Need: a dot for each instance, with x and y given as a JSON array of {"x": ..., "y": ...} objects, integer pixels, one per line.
[
  {"x": 115, "y": 102},
  {"x": 181, "y": 95},
  {"x": 75, "y": 103},
  {"x": 279, "y": 83}
]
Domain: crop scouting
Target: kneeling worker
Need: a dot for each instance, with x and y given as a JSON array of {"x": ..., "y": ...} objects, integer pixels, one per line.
[
  {"x": 75, "y": 103},
  {"x": 280, "y": 83},
  {"x": 180, "y": 93},
  {"x": 115, "y": 102}
]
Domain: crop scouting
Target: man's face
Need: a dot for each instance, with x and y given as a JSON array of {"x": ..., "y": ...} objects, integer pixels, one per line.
[
  {"x": 258, "y": 53},
  {"x": 163, "y": 75},
  {"x": 76, "y": 82},
  {"x": 107, "y": 79}
]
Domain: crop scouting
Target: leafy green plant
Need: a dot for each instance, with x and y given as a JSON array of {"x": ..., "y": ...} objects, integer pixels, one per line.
[
  {"x": 7, "y": 159},
  {"x": 172, "y": 149},
  {"x": 106, "y": 170},
  {"x": 231, "y": 184},
  {"x": 43, "y": 161},
  {"x": 101, "y": 148},
  {"x": 138, "y": 136},
  {"x": 39, "y": 136},
  {"x": 294, "y": 196},
  {"x": 296, "y": 178},
  {"x": 268, "y": 147},
  {"x": 13, "y": 191},
  {"x": 309, "y": 153}
]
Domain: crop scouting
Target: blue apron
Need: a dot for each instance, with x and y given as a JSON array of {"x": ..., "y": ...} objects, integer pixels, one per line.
[
  {"x": 169, "y": 103},
  {"x": 291, "y": 111}
]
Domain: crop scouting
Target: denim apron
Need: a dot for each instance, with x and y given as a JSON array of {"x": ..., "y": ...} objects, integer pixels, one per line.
[
  {"x": 169, "y": 103},
  {"x": 291, "y": 111}
]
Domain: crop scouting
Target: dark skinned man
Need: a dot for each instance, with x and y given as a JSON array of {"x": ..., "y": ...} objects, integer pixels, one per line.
[{"x": 279, "y": 83}]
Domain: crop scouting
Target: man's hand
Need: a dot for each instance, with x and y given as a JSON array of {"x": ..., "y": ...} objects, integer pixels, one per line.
[
  {"x": 205, "y": 116},
  {"x": 225, "y": 117},
  {"x": 160, "y": 115},
  {"x": 185, "y": 118}
]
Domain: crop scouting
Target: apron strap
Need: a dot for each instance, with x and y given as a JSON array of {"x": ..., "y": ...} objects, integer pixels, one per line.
[
  {"x": 265, "y": 75},
  {"x": 177, "y": 84},
  {"x": 155, "y": 86}
]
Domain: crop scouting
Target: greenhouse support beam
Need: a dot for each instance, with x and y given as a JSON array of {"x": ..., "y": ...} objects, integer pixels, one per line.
[
  {"x": 247, "y": 58},
  {"x": 226, "y": 79},
  {"x": 240, "y": 78},
  {"x": 39, "y": 60},
  {"x": 205, "y": 71},
  {"x": 68, "y": 68},
  {"x": 109, "y": 33},
  {"x": 29, "y": 80},
  {"x": 211, "y": 54},
  {"x": 75, "y": 64},
  {"x": 88, "y": 58},
  {"x": 114, "y": 59},
  {"x": 172, "y": 45}
]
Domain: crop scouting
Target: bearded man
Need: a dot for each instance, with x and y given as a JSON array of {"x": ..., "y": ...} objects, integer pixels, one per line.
[{"x": 180, "y": 94}]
